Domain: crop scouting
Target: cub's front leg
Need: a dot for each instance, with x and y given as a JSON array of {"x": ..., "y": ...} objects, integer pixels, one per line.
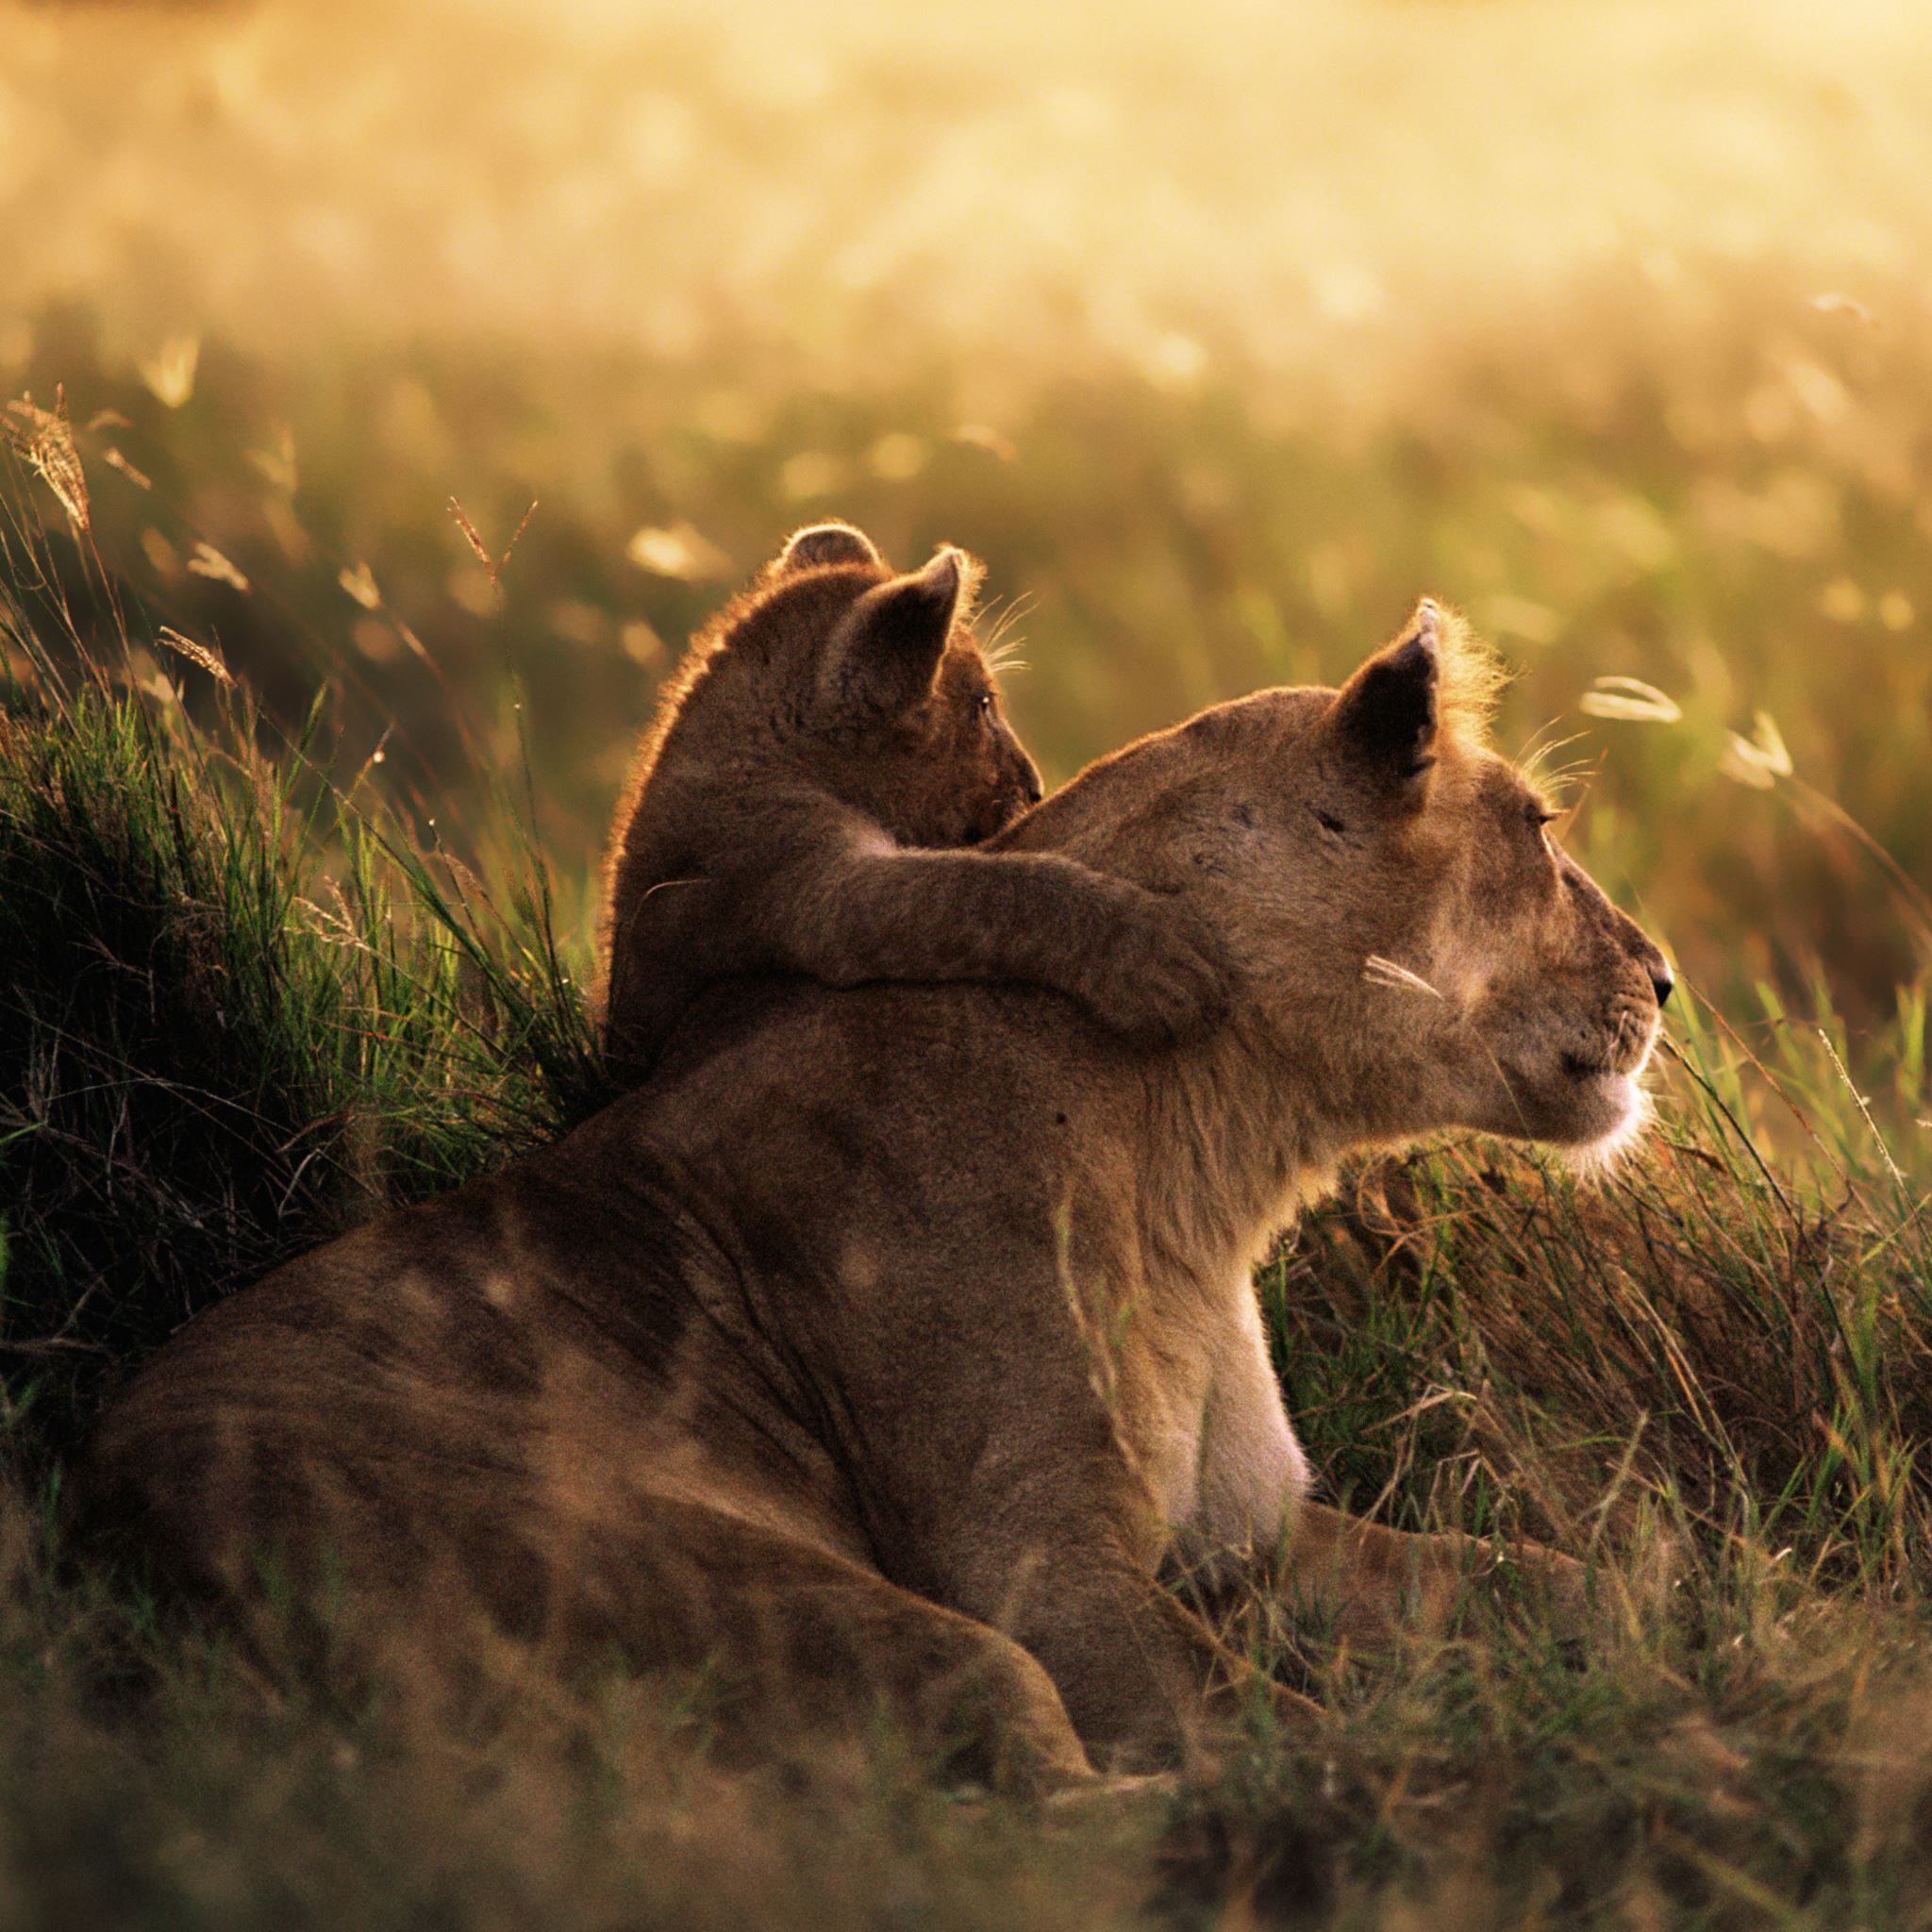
[{"x": 1140, "y": 963}]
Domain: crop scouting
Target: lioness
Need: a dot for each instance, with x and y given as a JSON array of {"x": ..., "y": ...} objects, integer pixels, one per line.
[
  {"x": 884, "y": 1346},
  {"x": 824, "y": 723}
]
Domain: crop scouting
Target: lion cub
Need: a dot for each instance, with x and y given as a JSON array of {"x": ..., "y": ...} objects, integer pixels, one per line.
[{"x": 829, "y": 744}]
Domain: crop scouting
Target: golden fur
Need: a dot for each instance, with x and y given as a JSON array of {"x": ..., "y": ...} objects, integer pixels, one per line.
[
  {"x": 886, "y": 1346},
  {"x": 831, "y": 727}
]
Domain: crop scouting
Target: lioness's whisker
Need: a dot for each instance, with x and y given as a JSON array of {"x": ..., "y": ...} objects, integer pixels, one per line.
[
  {"x": 1380, "y": 971},
  {"x": 665, "y": 885}
]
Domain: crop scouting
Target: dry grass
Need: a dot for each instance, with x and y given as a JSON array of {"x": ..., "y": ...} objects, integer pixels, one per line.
[
  {"x": 244, "y": 1008},
  {"x": 1222, "y": 340}
]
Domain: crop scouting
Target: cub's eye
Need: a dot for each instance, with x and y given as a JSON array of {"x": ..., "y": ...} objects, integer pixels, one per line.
[
  {"x": 1539, "y": 818},
  {"x": 985, "y": 704}
]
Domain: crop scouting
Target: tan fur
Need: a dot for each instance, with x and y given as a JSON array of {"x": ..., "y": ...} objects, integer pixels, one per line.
[
  {"x": 888, "y": 1344},
  {"x": 831, "y": 720}
]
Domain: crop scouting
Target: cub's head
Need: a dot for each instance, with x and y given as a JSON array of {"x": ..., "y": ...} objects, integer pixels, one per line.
[
  {"x": 892, "y": 706},
  {"x": 1421, "y": 952}
]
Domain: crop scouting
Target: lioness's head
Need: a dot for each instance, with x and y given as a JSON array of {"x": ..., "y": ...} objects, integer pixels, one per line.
[
  {"x": 889, "y": 702},
  {"x": 1418, "y": 945}
]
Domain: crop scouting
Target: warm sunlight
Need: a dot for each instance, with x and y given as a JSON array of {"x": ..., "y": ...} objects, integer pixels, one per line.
[{"x": 801, "y": 1124}]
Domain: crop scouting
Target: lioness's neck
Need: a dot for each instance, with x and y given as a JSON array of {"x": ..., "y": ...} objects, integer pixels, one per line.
[
  {"x": 1230, "y": 1157},
  {"x": 1232, "y": 1147},
  {"x": 1088, "y": 816}
]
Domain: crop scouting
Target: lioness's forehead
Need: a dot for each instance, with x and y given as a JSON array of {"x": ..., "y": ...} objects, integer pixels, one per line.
[{"x": 1493, "y": 781}]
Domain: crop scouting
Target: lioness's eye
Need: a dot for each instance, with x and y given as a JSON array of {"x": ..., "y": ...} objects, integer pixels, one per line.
[
  {"x": 986, "y": 703},
  {"x": 1539, "y": 818}
]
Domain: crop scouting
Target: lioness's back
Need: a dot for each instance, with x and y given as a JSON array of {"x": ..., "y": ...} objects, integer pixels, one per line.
[
  {"x": 453, "y": 1379},
  {"x": 428, "y": 1385}
]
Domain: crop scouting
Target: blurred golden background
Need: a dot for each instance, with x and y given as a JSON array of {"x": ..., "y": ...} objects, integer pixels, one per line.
[{"x": 1222, "y": 332}]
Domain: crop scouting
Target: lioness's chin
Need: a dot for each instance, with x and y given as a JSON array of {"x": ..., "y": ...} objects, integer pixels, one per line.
[
  {"x": 1627, "y": 1110},
  {"x": 1593, "y": 1117}
]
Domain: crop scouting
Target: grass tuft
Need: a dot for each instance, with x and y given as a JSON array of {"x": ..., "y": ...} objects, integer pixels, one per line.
[
  {"x": 259, "y": 987},
  {"x": 242, "y": 1011}
]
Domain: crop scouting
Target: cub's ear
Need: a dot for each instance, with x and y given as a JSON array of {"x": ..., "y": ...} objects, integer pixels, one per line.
[
  {"x": 819, "y": 544},
  {"x": 1387, "y": 715},
  {"x": 886, "y": 652}
]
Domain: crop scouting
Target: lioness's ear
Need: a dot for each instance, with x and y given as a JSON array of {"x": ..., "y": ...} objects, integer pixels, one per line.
[
  {"x": 819, "y": 544},
  {"x": 886, "y": 652},
  {"x": 1387, "y": 712}
]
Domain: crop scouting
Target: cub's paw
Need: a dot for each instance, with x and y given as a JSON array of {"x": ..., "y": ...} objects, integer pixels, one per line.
[{"x": 1165, "y": 975}]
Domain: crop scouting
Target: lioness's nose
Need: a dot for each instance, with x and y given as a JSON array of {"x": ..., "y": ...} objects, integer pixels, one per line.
[{"x": 1661, "y": 981}]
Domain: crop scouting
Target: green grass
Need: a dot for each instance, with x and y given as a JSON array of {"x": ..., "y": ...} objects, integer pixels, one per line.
[
  {"x": 259, "y": 987},
  {"x": 242, "y": 1013},
  {"x": 1220, "y": 340},
  {"x": 1723, "y": 512}
]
